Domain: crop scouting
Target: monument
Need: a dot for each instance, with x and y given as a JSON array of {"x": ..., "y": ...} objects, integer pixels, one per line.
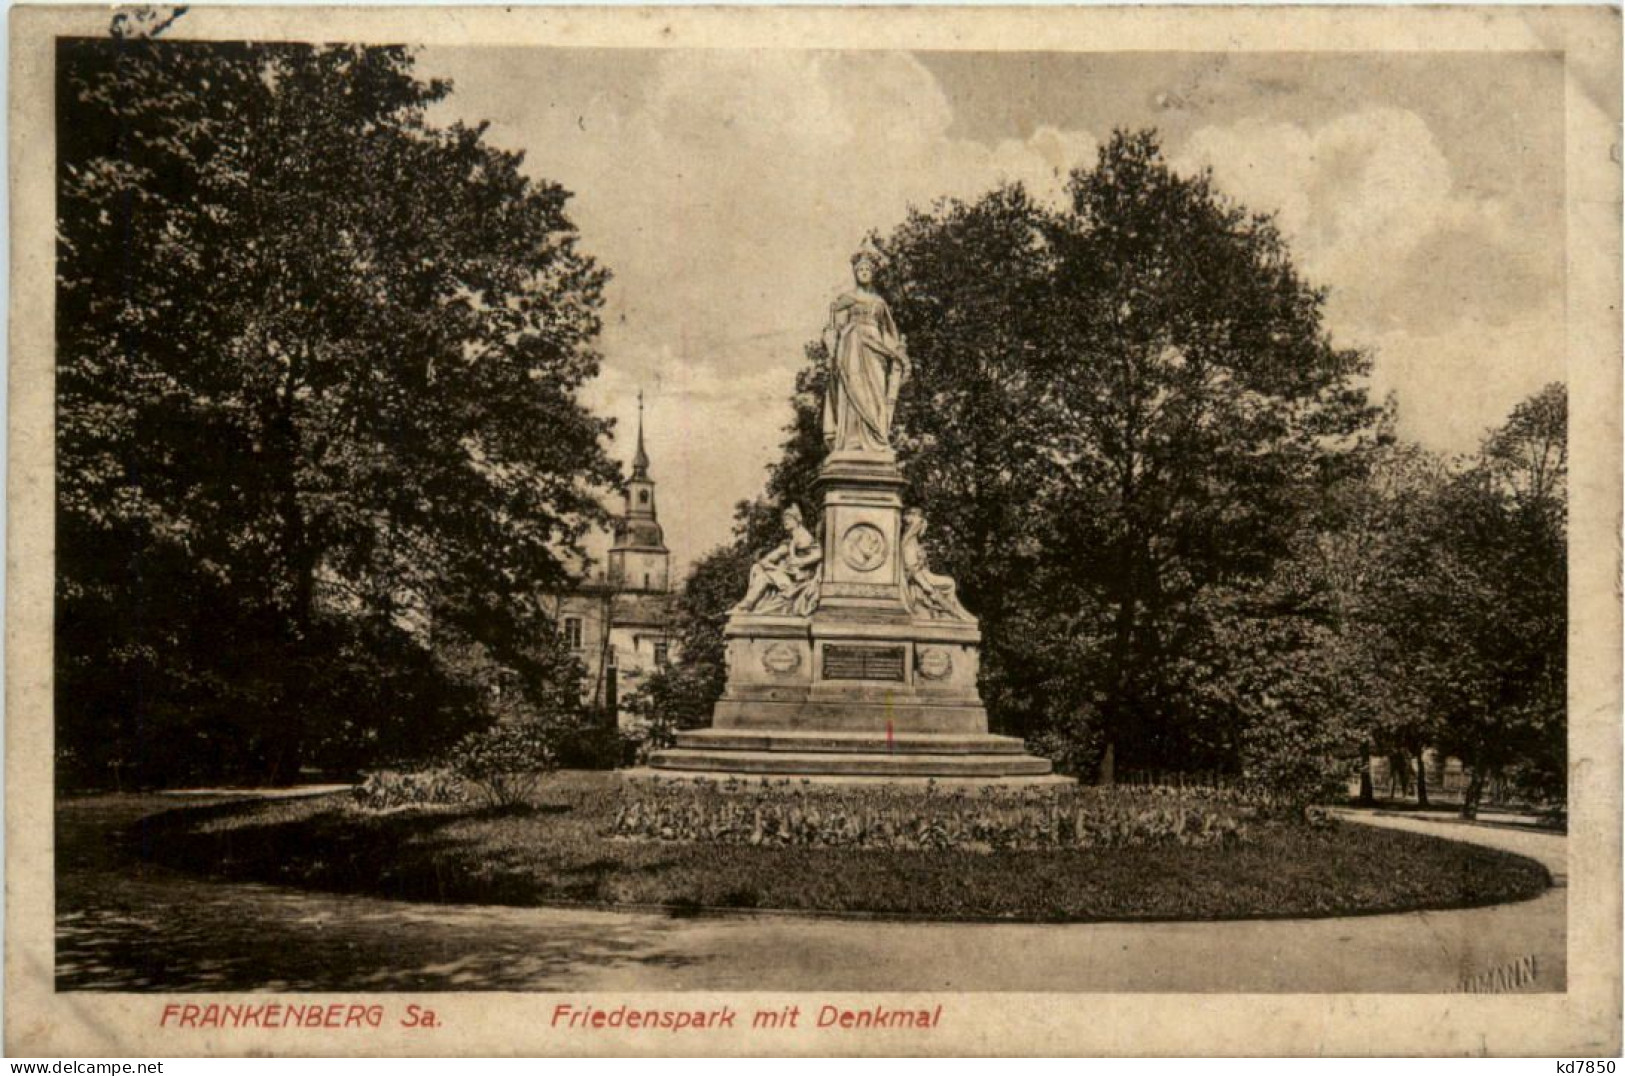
[{"x": 849, "y": 657}]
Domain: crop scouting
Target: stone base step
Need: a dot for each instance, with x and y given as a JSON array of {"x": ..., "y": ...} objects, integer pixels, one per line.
[
  {"x": 903, "y": 743},
  {"x": 796, "y": 763},
  {"x": 916, "y": 783},
  {"x": 850, "y": 715}
]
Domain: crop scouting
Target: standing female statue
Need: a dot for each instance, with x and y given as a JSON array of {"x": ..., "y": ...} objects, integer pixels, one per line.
[
  {"x": 867, "y": 365},
  {"x": 925, "y": 592}
]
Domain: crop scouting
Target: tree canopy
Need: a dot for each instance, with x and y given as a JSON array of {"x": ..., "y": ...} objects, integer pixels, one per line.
[
  {"x": 319, "y": 447},
  {"x": 1473, "y": 605},
  {"x": 1119, "y": 407},
  {"x": 1189, "y": 536}
]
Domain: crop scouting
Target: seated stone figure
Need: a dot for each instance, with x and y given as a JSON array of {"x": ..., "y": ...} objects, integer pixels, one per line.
[
  {"x": 925, "y": 592},
  {"x": 785, "y": 581}
]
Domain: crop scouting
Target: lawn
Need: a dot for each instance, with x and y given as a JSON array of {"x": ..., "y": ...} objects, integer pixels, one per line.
[{"x": 558, "y": 851}]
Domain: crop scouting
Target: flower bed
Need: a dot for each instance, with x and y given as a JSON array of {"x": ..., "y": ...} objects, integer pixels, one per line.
[
  {"x": 389, "y": 790},
  {"x": 557, "y": 849},
  {"x": 985, "y": 819}
]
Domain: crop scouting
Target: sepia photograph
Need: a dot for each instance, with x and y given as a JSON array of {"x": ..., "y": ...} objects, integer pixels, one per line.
[{"x": 763, "y": 531}]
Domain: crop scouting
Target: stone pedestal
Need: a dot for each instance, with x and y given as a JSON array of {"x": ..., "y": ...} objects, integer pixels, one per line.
[{"x": 862, "y": 689}]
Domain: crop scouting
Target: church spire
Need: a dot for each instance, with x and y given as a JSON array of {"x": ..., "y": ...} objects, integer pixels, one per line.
[
  {"x": 640, "y": 460},
  {"x": 638, "y": 560}
]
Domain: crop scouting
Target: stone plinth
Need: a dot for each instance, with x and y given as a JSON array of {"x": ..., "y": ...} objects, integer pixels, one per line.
[
  {"x": 862, "y": 497},
  {"x": 862, "y": 689}
]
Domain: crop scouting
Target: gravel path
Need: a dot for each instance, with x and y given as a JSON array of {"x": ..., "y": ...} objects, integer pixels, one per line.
[{"x": 123, "y": 925}]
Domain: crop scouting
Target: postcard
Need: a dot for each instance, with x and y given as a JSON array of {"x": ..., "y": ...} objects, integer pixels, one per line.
[{"x": 814, "y": 531}]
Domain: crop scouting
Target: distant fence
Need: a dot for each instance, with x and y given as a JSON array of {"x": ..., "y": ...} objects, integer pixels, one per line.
[
  {"x": 1447, "y": 779},
  {"x": 1199, "y": 779},
  {"x": 1446, "y": 782}
]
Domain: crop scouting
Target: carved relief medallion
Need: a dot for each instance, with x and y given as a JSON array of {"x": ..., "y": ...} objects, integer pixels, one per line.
[
  {"x": 863, "y": 547},
  {"x": 781, "y": 659},
  {"x": 934, "y": 663}
]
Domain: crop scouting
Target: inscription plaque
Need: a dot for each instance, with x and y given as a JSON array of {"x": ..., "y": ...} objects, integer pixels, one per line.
[
  {"x": 860, "y": 590},
  {"x": 863, "y": 663}
]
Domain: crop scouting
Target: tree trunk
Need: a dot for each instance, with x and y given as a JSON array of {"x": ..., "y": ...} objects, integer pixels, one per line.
[
  {"x": 299, "y": 699},
  {"x": 1421, "y": 778},
  {"x": 1122, "y": 632},
  {"x": 1475, "y": 792},
  {"x": 1368, "y": 794},
  {"x": 600, "y": 699},
  {"x": 301, "y": 558},
  {"x": 285, "y": 763}
]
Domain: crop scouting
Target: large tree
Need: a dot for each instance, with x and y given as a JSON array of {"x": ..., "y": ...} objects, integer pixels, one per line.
[
  {"x": 1118, "y": 407},
  {"x": 1349, "y": 559},
  {"x": 1474, "y": 606},
  {"x": 1200, "y": 409},
  {"x": 318, "y": 438}
]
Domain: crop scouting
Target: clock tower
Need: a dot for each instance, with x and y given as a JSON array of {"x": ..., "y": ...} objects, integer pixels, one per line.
[{"x": 639, "y": 560}]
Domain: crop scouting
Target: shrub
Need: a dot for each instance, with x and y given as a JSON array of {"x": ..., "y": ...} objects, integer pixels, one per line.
[
  {"x": 1292, "y": 762},
  {"x": 646, "y": 737},
  {"x": 988, "y": 819},
  {"x": 680, "y": 696},
  {"x": 1073, "y": 753},
  {"x": 387, "y": 790},
  {"x": 505, "y": 762},
  {"x": 592, "y": 744}
]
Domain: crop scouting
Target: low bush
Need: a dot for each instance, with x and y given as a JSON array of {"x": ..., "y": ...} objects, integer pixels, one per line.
[
  {"x": 1070, "y": 754},
  {"x": 593, "y": 745},
  {"x": 988, "y": 819},
  {"x": 648, "y": 736},
  {"x": 505, "y": 763},
  {"x": 388, "y": 790}
]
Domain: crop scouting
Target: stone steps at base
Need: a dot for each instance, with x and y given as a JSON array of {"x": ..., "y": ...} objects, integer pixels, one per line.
[
  {"x": 916, "y": 717},
  {"x": 843, "y": 763},
  {"x": 912, "y": 743},
  {"x": 915, "y": 784}
]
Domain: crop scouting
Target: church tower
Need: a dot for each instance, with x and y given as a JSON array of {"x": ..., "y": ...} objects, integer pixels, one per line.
[{"x": 639, "y": 561}]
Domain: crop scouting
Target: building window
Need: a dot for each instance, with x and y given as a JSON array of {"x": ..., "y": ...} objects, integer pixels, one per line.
[
  {"x": 643, "y": 496},
  {"x": 572, "y": 632},
  {"x": 662, "y": 655},
  {"x": 645, "y": 580}
]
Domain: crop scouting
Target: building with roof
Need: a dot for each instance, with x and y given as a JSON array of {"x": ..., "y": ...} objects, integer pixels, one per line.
[{"x": 618, "y": 620}]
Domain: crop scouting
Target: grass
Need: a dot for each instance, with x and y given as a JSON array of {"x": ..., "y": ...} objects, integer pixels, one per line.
[{"x": 556, "y": 851}]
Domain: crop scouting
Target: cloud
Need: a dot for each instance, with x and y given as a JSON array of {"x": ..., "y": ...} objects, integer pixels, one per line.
[
  {"x": 1364, "y": 185},
  {"x": 709, "y": 437},
  {"x": 726, "y": 190},
  {"x": 1369, "y": 205},
  {"x": 1461, "y": 308},
  {"x": 1454, "y": 386}
]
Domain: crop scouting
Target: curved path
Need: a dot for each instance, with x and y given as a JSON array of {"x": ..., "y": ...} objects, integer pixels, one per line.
[{"x": 127, "y": 925}]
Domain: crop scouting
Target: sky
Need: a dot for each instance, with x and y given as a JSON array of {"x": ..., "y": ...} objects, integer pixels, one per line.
[{"x": 725, "y": 191}]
